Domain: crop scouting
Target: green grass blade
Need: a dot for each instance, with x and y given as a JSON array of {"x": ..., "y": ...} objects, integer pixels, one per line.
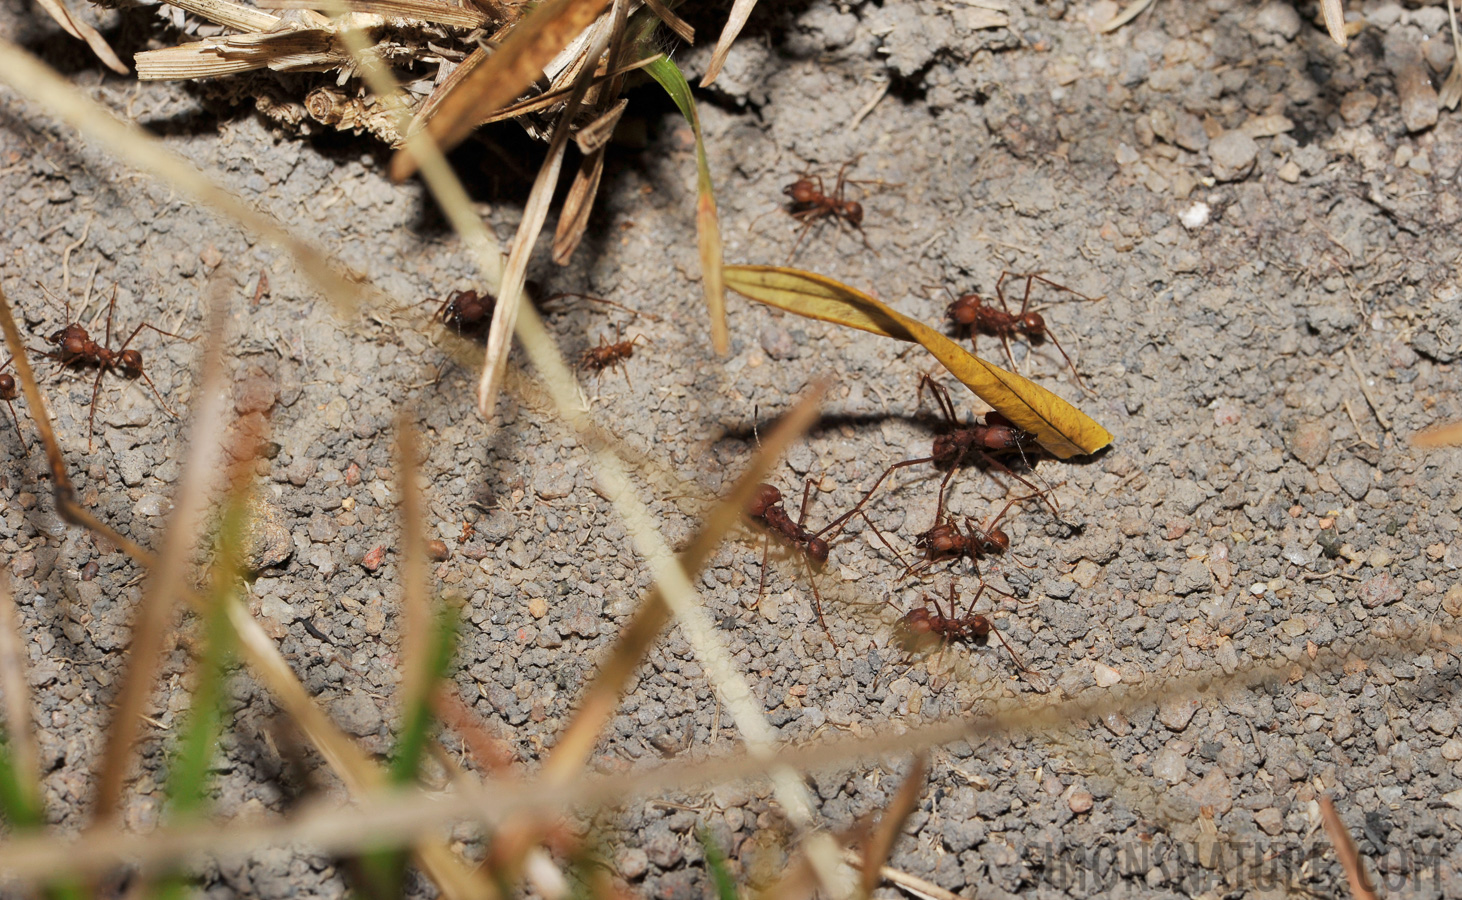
[
  {"x": 716, "y": 865},
  {"x": 417, "y": 723},
  {"x": 707, "y": 223},
  {"x": 18, "y": 800}
]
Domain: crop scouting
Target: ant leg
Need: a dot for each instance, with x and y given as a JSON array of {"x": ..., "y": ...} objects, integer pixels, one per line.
[
  {"x": 939, "y": 507},
  {"x": 139, "y": 328},
  {"x": 816, "y": 598},
  {"x": 24, "y": 447},
  {"x": 158, "y": 395},
  {"x": 761, "y": 584},
  {"x": 1019, "y": 664},
  {"x": 1069, "y": 364},
  {"x": 91, "y": 418},
  {"x": 110, "y": 307},
  {"x": 842, "y": 520},
  {"x": 806, "y": 226},
  {"x": 802, "y": 513},
  {"x": 1036, "y": 492},
  {"x": 883, "y": 540},
  {"x": 1009, "y": 354}
]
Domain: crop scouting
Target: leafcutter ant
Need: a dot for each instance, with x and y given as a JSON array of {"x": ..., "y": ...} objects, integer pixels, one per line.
[
  {"x": 766, "y": 508},
  {"x": 74, "y": 347},
  {"x": 811, "y": 203},
  {"x": 919, "y": 628},
  {"x": 945, "y": 541},
  {"x": 607, "y": 355},
  {"x": 978, "y": 316},
  {"x": 9, "y": 392},
  {"x": 958, "y": 442}
]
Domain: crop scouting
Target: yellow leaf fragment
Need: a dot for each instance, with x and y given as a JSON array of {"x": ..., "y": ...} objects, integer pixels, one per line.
[
  {"x": 1448, "y": 434},
  {"x": 1062, "y": 429}
]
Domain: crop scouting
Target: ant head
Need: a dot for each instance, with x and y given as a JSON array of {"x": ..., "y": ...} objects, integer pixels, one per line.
[
  {"x": 995, "y": 541},
  {"x": 130, "y": 361},
  {"x": 853, "y": 212},
  {"x": 7, "y": 387},
  {"x": 914, "y": 629},
  {"x": 801, "y": 191},
  {"x": 817, "y": 549},
  {"x": 73, "y": 342},
  {"x": 966, "y": 309},
  {"x": 1033, "y": 323},
  {"x": 762, "y": 497}
]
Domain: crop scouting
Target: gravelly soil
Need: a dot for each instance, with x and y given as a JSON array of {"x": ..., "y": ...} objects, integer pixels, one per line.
[{"x": 1268, "y": 224}]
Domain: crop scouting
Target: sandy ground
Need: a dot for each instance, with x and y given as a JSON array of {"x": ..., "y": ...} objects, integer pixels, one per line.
[{"x": 1269, "y": 225}]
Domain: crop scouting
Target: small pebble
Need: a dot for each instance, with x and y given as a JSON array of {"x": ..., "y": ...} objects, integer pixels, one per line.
[
  {"x": 438, "y": 550},
  {"x": 89, "y": 571},
  {"x": 1379, "y": 590},
  {"x": 1419, "y": 104},
  {"x": 373, "y": 559},
  {"x": 1279, "y": 19},
  {"x": 538, "y": 607},
  {"x": 1195, "y": 216},
  {"x": 1105, "y": 676},
  {"x": 1080, "y": 802},
  {"x": 1356, "y": 107},
  {"x": 1177, "y": 713},
  {"x": 352, "y": 475},
  {"x": 632, "y": 863},
  {"x": 1310, "y": 443},
  {"x": 1233, "y": 154},
  {"x": 1269, "y": 820}
]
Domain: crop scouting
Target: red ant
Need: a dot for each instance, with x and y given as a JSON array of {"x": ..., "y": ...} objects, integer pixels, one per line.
[
  {"x": 945, "y": 541},
  {"x": 766, "y": 507},
  {"x": 75, "y": 347},
  {"x": 608, "y": 355},
  {"x": 466, "y": 312},
  {"x": 810, "y": 203},
  {"x": 950, "y": 449},
  {"x": 9, "y": 393},
  {"x": 918, "y": 627},
  {"x": 972, "y": 312}
]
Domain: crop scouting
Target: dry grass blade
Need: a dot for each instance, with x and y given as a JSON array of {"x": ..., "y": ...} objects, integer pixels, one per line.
[
  {"x": 1130, "y": 12},
  {"x": 235, "y": 15},
  {"x": 707, "y": 222},
  {"x": 1062, "y": 429},
  {"x": 880, "y": 844},
  {"x": 675, "y": 23},
  {"x": 1362, "y": 887},
  {"x": 1334, "y": 11},
  {"x": 550, "y": 98},
  {"x": 294, "y": 49},
  {"x": 601, "y": 698},
  {"x": 348, "y": 761},
  {"x": 463, "y": 16},
  {"x": 535, "y": 213},
  {"x": 909, "y": 883},
  {"x": 504, "y": 75},
  {"x": 82, "y": 31},
  {"x": 1448, "y": 434},
  {"x": 17, "y": 731},
  {"x": 169, "y": 576},
  {"x": 416, "y": 626},
  {"x": 36, "y": 81},
  {"x": 740, "y": 12},
  {"x": 403, "y": 816},
  {"x": 1451, "y": 93}
]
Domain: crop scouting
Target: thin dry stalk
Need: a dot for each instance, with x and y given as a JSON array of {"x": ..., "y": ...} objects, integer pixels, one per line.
[
  {"x": 403, "y": 816},
  {"x": 890, "y": 827},
  {"x": 82, "y": 31},
  {"x": 416, "y": 627},
  {"x": 1451, "y": 92},
  {"x": 535, "y": 213},
  {"x": 20, "y": 736},
  {"x": 1448, "y": 434},
  {"x": 675, "y": 23},
  {"x": 504, "y": 75},
  {"x": 39, "y": 83},
  {"x": 1334, "y": 11},
  {"x": 1362, "y": 887},
  {"x": 168, "y": 578},
  {"x": 913, "y": 884},
  {"x": 262, "y": 655},
  {"x": 740, "y": 12}
]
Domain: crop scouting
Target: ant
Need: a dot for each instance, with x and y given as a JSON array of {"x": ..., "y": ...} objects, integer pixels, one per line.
[
  {"x": 766, "y": 507},
  {"x": 950, "y": 449},
  {"x": 919, "y": 627},
  {"x": 945, "y": 541},
  {"x": 10, "y": 393},
  {"x": 469, "y": 312},
  {"x": 980, "y": 317},
  {"x": 810, "y": 202},
  {"x": 607, "y": 355},
  {"x": 75, "y": 347}
]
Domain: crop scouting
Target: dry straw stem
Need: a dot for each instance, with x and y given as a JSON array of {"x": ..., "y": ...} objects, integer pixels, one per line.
[
  {"x": 36, "y": 81},
  {"x": 1062, "y": 429},
  {"x": 535, "y": 212},
  {"x": 503, "y": 76},
  {"x": 891, "y": 825},
  {"x": 1334, "y": 12},
  {"x": 740, "y": 12},
  {"x": 1361, "y": 885},
  {"x": 1448, "y": 434},
  {"x": 910, "y": 883},
  {"x": 82, "y": 31},
  {"x": 416, "y": 627},
  {"x": 401, "y": 816},
  {"x": 153, "y": 618},
  {"x": 262, "y": 655},
  {"x": 1128, "y": 13},
  {"x": 1451, "y": 92},
  {"x": 15, "y": 687}
]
